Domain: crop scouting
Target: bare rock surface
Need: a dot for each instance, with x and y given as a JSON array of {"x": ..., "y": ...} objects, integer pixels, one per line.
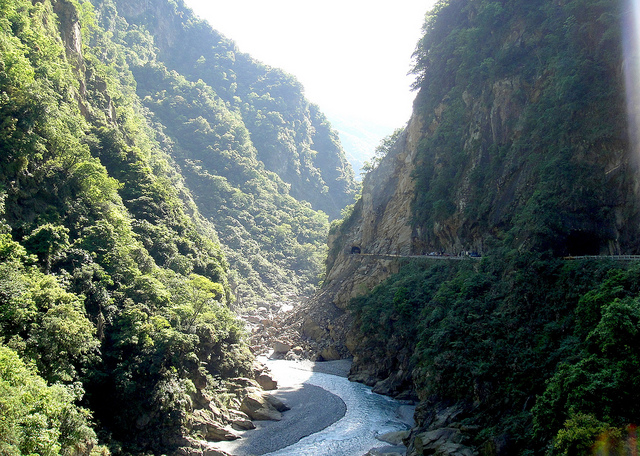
[
  {"x": 395, "y": 445},
  {"x": 266, "y": 382},
  {"x": 259, "y": 408},
  {"x": 387, "y": 451},
  {"x": 211, "y": 422},
  {"x": 200, "y": 448},
  {"x": 394, "y": 438},
  {"x": 298, "y": 329}
]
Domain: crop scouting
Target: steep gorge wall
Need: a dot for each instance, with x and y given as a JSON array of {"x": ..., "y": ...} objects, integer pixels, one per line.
[
  {"x": 527, "y": 141},
  {"x": 380, "y": 222},
  {"x": 521, "y": 146},
  {"x": 518, "y": 148}
]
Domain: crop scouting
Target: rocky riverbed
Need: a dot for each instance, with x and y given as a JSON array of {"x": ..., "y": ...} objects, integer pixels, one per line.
[
  {"x": 329, "y": 416},
  {"x": 296, "y": 329}
]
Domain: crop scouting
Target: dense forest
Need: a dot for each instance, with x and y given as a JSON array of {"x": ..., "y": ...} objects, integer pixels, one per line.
[
  {"x": 153, "y": 179},
  {"x": 141, "y": 199},
  {"x": 529, "y": 354},
  {"x": 260, "y": 160},
  {"x": 523, "y": 157}
]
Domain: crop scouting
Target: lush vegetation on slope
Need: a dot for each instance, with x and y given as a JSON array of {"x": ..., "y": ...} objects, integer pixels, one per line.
[
  {"x": 539, "y": 352},
  {"x": 112, "y": 284},
  {"x": 115, "y": 293},
  {"x": 274, "y": 242},
  {"x": 291, "y": 136},
  {"x": 524, "y": 155},
  {"x": 250, "y": 146}
]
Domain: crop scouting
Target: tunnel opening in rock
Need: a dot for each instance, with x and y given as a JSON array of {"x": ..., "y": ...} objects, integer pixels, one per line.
[{"x": 580, "y": 243}]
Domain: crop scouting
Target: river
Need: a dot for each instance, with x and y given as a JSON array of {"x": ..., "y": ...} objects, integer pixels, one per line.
[{"x": 330, "y": 415}]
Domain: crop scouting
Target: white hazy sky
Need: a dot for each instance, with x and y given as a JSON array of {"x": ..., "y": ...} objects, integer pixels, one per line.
[{"x": 351, "y": 56}]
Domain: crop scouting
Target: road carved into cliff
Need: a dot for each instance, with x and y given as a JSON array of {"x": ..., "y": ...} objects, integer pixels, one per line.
[{"x": 389, "y": 256}]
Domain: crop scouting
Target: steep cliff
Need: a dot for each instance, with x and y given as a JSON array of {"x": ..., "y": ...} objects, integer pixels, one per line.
[
  {"x": 527, "y": 129},
  {"x": 505, "y": 147},
  {"x": 380, "y": 221},
  {"x": 518, "y": 150},
  {"x": 529, "y": 117}
]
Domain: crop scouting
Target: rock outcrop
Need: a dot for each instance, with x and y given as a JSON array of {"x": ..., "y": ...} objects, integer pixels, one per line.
[
  {"x": 204, "y": 424},
  {"x": 193, "y": 447},
  {"x": 210, "y": 422},
  {"x": 380, "y": 224},
  {"x": 442, "y": 431},
  {"x": 260, "y": 407}
]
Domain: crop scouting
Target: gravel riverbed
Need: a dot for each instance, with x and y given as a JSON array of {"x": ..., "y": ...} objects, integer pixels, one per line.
[{"x": 329, "y": 415}]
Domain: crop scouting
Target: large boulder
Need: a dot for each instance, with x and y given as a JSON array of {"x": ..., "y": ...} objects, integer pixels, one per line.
[
  {"x": 240, "y": 421},
  {"x": 259, "y": 408},
  {"x": 385, "y": 451},
  {"x": 329, "y": 353},
  {"x": 392, "y": 385},
  {"x": 276, "y": 403},
  {"x": 239, "y": 383},
  {"x": 217, "y": 432},
  {"x": 263, "y": 376},
  {"x": 443, "y": 441},
  {"x": 266, "y": 381},
  {"x": 280, "y": 348},
  {"x": 204, "y": 425},
  {"x": 242, "y": 424},
  {"x": 394, "y": 438}
]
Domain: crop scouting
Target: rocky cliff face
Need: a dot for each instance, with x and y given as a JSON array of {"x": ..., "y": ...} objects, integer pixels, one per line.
[
  {"x": 380, "y": 222},
  {"x": 513, "y": 149},
  {"x": 518, "y": 145}
]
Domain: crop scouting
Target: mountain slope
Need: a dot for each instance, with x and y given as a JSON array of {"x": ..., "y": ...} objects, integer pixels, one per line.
[
  {"x": 93, "y": 216},
  {"x": 291, "y": 136},
  {"x": 518, "y": 149},
  {"x": 115, "y": 291},
  {"x": 229, "y": 125}
]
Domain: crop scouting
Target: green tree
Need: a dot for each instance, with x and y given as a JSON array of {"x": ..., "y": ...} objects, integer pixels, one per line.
[
  {"x": 47, "y": 241},
  {"x": 62, "y": 339},
  {"x": 37, "y": 418},
  {"x": 202, "y": 293}
]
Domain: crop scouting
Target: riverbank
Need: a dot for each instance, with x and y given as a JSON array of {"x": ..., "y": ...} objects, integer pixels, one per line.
[
  {"x": 312, "y": 410},
  {"x": 329, "y": 415}
]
